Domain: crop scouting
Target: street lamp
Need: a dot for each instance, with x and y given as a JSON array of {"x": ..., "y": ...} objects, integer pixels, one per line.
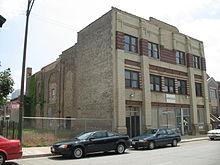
[{"x": 29, "y": 7}]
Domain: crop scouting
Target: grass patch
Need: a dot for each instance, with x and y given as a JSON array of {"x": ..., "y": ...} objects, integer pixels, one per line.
[{"x": 39, "y": 138}]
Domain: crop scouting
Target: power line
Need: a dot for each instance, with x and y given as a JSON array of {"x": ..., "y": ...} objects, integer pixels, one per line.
[{"x": 52, "y": 21}]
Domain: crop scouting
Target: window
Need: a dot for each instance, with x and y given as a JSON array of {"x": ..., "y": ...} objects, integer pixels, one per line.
[
  {"x": 169, "y": 85},
  {"x": 212, "y": 93},
  {"x": 111, "y": 134},
  {"x": 130, "y": 43},
  {"x": 155, "y": 83},
  {"x": 170, "y": 132},
  {"x": 196, "y": 62},
  {"x": 153, "y": 50},
  {"x": 101, "y": 134},
  {"x": 201, "y": 116},
  {"x": 198, "y": 89},
  {"x": 182, "y": 87},
  {"x": 131, "y": 79},
  {"x": 162, "y": 132},
  {"x": 180, "y": 58},
  {"x": 53, "y": 94},
  {"x": 214, "y": 110}
]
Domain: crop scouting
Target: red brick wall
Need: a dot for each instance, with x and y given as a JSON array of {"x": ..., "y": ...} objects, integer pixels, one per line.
[
  {"x": 143, "y": 47},
  {"x": 132, "y": 102},
  {"x": 134, "y": 63},
  {"x": 119, "y": 40},
  {"x": 189, "y": 59},
  {"x": 158, "y": 104},
  {"x": 203, "y": 63},
  {"x": 167, "y": 55},
  {"x": 161, "y": 69}
]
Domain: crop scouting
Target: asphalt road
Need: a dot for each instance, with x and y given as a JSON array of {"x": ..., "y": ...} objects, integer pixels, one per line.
[{"x": 191, "y": 153}]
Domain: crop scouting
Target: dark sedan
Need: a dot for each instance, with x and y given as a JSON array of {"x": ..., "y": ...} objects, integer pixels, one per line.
[
  {"x": 156, "y": 137},
  {"x": 89, "y": 142}
]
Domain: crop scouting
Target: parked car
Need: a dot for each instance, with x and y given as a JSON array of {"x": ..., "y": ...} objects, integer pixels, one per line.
[
  {"x": 214, "y": 134},
  {"x": 156, "y": 137},
  {"x": 9, "y": 149},
  {"x": 89, "y": 142}
]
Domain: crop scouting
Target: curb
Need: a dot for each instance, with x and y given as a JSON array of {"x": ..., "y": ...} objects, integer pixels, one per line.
[
  {"x": 48, "y": 154},
  {"x": 195, "y": 139},
  {"x": 35, "y": 156}
]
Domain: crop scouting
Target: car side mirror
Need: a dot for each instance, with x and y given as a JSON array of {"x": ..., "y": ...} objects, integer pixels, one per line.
[
  {"x": 158, "y": 134},
  {"x": 91, "y": 139}
]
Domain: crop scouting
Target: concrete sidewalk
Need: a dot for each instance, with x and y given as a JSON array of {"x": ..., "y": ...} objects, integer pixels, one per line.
[{"x": 32, "y": 152}]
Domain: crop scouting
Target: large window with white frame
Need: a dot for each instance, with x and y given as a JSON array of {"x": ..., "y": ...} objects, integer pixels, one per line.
[{"x": 212, "y": 93}]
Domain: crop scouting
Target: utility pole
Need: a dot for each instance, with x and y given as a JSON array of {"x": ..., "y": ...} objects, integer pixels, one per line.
[{"x": 21, "y": 109}]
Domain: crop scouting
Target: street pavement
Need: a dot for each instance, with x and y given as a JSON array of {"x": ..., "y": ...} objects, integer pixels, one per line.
[
  {"x": 30, "y": 152},
  {"x": 202, "y": 152}
]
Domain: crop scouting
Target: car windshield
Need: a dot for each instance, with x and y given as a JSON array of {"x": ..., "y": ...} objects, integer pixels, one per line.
[
  {"x": 84, "y": 136},
  {"x": 150, "y": 132}
]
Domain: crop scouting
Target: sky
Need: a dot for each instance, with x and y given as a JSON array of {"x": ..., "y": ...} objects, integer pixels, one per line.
[{"x": 53, "y": 27}]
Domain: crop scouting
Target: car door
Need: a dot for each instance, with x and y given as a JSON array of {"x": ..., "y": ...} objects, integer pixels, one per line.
[
  {"x": 161, "y": 137},
  {"x": 170, "y": 136},
  {"x": 97, "y": 142},
  {"x": 111, "y": 140}
]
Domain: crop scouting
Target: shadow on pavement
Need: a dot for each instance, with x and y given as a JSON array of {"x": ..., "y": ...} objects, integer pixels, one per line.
[
  {"x": 101, "y": 154},
  {"x": 11, "y": 163},
  {"x": 157, "y": 148}
]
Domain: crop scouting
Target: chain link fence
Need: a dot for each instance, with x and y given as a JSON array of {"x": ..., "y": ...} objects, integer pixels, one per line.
[{"x": 44, "y": 131}]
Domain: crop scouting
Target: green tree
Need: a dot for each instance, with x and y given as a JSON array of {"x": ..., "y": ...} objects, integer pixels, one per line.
[{"x": 6, "y": 85}]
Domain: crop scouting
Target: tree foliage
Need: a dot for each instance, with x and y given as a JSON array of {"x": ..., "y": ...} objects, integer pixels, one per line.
[{"x": 6, "y": 85}]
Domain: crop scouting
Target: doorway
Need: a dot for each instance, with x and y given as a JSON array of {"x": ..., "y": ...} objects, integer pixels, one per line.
[
  {"x": 133, "y": 120},
  {"x": 183, "y": 120}
]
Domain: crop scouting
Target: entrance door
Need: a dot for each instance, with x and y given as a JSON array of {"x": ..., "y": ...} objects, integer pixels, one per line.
[
  {"x": 183, "y": 120},
  {"x": 133, "y": 120}
]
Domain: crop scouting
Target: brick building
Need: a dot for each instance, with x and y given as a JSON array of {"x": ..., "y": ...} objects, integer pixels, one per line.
[
  {"x": 139, "y": 73},
  {"x": 214, "y": 101}
]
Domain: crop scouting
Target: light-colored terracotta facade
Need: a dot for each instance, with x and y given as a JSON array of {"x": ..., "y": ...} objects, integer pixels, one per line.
[{"x": 88, "y": 79}]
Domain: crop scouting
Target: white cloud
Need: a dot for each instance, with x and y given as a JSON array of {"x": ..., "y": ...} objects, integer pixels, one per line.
[{"x": 12, "y": 8}]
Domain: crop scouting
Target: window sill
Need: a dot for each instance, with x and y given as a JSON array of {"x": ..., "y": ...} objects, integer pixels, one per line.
[
  {"x": 170, "y": 93},
  {"x": 126, "y": 51},
  {"x": 133, "y": 88}
]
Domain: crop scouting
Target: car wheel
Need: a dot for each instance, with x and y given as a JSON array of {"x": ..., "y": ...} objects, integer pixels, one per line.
[
  {"x": 151, "y": 145},
  {"x": 211, "y": 138},
  {"x": 174, "y": 143},
  {"x": 2, "y": 158},
  {"x": 78, "y": 152},
  {"x": 120, "y": 149}
]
